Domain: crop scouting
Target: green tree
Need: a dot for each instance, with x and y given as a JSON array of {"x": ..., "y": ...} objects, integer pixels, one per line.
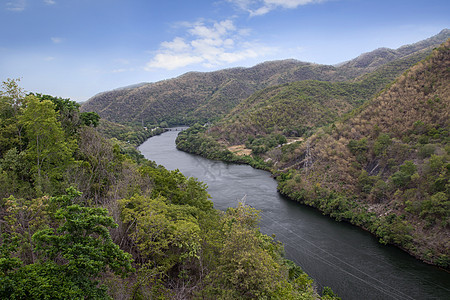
[
  {"x": 382, "y": 143},
  {"x": 11, "y": 98},
  {"x": 90, "y": 118},
  {"x": 403, "y": 177},
  {"x": 67, "y": 112},
  {"x": 246, "y": 258},
  {"x": 70, "y": 258},
  {"x": 12, "y": 93},
  {"x": 48, "y": 151}
]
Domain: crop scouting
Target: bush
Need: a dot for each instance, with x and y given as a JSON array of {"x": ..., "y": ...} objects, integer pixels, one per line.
[
  {"x": 427, "y": 150},
  {"x": 381, "y": 144}
]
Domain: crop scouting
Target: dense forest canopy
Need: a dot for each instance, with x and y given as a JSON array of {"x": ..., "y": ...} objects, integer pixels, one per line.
[{"x": 82, "y": 216}]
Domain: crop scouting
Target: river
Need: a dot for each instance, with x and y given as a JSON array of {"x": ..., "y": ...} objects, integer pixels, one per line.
[{"x": 335, "y": 254}]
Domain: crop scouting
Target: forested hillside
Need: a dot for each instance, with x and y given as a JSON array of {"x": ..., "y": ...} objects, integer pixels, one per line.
[
  {"x": 295, "y": 109},
  {"x": 384, "y": 166},
  {"x": 83, "y": 217},
  {"x": 201, "y": 97}
]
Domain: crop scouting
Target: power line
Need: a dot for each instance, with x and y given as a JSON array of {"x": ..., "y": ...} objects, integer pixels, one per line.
[{"x": 337, "y": 258}]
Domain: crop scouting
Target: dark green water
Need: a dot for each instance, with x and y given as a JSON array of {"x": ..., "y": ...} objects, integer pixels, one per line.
[{"x": 338, "y": 255}]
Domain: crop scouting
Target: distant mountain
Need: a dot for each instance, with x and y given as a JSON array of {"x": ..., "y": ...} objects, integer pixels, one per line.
[
  {"x": 294, "y": 109},
  {"x": 131, "y": 86},
  {"x": 203, "y": 97},
  {"x": 195, "y": 95},
  {"x": 368, "y": 62}
]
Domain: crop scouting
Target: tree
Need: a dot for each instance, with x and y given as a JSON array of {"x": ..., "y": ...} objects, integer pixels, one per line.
[
  {"x": 90, "y": 118},
  {"x": 403, "y": 177},
  {"x": 13, "y": 93},
  {"x": 71, "y": 256},
  {"x": 11, "y": 99},
  {"x": 48, "y": 151},
  {"x": 67, "y": 112},
  {"x": 246, "y": 259}
]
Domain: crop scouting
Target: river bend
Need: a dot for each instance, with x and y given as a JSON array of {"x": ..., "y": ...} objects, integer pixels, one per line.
[{"x": 335, "y": 254}]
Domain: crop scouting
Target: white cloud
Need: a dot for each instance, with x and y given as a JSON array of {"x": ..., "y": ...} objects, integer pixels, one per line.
[
  {"x": 172, "y": 61},
  {"x": 49, "y": 2},
  {"x": 56, "y": 40},
  {"x": 177, "y": 45},
  {"x": 16, "y": 5},
  {"x": 209, "y": 44},
  {"x": 262, "y": 7},
  {"x": 290, "y": 3}
]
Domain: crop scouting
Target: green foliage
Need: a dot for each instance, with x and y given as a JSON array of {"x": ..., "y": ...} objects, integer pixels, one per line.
[
  {"x": 327, "y": 293},
  {"x": 359, "y": 149},
  {"x": 392, "y": 229},
  {"x": 47, "y": 146},
  {"x": 262, "y": 144},
  {"x": 366, "y": 182},
  {"x": 381, "y": 144},
  {"x": 12, "y": 94},
  {"x": 11, "y": 98},
  {"x": 67, "y": 112},
  {"x": 131, "y": 135},
  {"x": 90, "y": 118},
  {"x": 246, "y": 257},
  {"x": 68, "y": 259},
  {"x": 178, "y": 189},
  {"x": 436, "y": 207},
  {"x": 157, "y": 226},
  {"x": 193, "y": 140},
  {"x": 403, "y": 177},
  {"x": 57, "y": 245}
]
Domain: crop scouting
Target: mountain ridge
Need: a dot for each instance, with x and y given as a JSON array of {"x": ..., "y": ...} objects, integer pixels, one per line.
[{"x": 206, "y": 96}]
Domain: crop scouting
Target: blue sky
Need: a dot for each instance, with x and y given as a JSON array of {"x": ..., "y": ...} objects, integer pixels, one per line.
[{"x": 77, "y": 48}]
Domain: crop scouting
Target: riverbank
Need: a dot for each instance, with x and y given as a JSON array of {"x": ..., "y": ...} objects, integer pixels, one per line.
[
  {"x": 341, "y": 206},
  {"x": 335, "y": 254}
]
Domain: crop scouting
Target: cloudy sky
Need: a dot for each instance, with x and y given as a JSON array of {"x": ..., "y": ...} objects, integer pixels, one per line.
[{"x": 77, "y": 48}]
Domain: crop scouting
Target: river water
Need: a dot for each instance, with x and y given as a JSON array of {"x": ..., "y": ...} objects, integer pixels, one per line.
[{"x": 335, "y": 254}]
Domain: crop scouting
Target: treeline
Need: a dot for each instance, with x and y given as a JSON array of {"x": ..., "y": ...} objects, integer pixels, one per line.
[
  {"x": 130, "y": 134},
  {"x": 81, "y": 217}
]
